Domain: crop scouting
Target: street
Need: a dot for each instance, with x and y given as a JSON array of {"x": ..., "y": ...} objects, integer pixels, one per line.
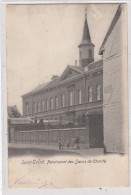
[{"x": 14, "y": 152}]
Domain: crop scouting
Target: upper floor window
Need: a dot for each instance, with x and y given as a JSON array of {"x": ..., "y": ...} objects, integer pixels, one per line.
[
  {"x": 47, "y": 105},
  {"x": 56, "y": 102},
  {"x": 79, "y": 96},
  {"x": 90, "y": 53},
  {"x": 62, "y": 100},
  {"x": 71, "y": 98},
  {"x": 38, "y": 107},
  {"x": 98, "y": 92},
  {"x": 51, "y": 104},
  {"x": 90, "y": 94},
  {"x": 34, "y": 107},
  {"x": 43, "y": 105},
  {"x": 27, "y": 108}
]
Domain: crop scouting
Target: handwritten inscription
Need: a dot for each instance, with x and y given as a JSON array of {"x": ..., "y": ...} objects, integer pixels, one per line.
[{"x": 26, "y": 181}]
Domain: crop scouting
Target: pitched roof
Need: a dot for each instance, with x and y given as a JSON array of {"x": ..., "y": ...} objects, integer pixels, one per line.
[
  {"x": 39, "y": 87},
  {"x": 77, "y": 68},
  {"x": 95, "y": 64},
  {"x": 113, "y": 23},
  {"x": 43, "y": 86}
]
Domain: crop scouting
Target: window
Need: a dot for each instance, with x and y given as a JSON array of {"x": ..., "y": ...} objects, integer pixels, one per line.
[
  {"x": 34, "y": 107},
  {"x": 90, "y": 53},
  {"x": 38, "y": 107},
  {"x": 98, "y": 92},
  {"x": 62, "y": 100},
  {"x": 79, "y": 96},
  {"x": 71, "y": 98},
  {"x": 90, "y": 94},
  {"x": 56, "y": 102},
  {"x": 27, "y": 108},
  {"x": 51, "y": 104},
  {"x": 47, "y": 105},
  {"x": 43, "y": 105}
]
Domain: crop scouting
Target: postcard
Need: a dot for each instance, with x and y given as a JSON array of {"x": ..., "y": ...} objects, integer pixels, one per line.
[{"x": 67, "y": 95}]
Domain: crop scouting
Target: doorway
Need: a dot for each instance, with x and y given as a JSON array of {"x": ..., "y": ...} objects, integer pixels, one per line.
[{"x": 96, "y": 131}]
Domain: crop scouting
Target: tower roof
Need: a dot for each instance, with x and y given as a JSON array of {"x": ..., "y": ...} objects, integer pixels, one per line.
[
  {"x": 86, "y": 33},
  {"x": 86, "y": 38}
]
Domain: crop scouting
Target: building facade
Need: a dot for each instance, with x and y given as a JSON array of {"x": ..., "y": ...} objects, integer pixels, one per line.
[
  {"x": 115, "y": 88},
  {"x": 77, "y": 91}
]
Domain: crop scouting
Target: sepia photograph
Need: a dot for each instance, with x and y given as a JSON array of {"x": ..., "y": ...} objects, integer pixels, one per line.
[{"x": 67, "y": 95}]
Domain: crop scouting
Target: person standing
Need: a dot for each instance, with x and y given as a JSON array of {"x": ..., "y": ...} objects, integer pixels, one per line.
[
  {"x": 77, "y": 143},
  {"x": 59, "y": 144}
]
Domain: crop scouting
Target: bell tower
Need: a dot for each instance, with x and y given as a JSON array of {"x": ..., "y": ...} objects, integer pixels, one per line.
[{"x": 86, "y": 47}]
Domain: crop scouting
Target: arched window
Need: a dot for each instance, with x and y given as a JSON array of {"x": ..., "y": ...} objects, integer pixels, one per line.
[{"x": 90, "y": 53}]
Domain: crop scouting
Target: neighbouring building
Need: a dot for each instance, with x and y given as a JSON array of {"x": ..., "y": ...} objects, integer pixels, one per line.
[
  {"x": 115, "y": 104},
  {"x": 13, "y": 112}
]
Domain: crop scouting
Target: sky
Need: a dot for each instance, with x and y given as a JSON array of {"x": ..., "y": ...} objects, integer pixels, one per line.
[{"x": 42, "y": 40}]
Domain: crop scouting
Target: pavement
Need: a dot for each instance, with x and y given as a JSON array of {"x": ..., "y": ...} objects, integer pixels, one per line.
[{"x": 82, "y": 151}]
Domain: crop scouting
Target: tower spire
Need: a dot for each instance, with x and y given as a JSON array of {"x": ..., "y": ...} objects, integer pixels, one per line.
[
  {"x": 85, "y": 12},
  {"x": 86, "y": 34},
  {"x": 86, "y": 47}
]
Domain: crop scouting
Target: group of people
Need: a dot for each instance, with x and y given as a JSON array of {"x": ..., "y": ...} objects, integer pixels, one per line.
[{"x": 74, "y": 143}]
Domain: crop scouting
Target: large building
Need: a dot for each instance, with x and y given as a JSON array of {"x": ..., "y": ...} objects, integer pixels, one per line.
[
  {"x": 95, "y": 89},
  {"x": 76, "y": 91}
]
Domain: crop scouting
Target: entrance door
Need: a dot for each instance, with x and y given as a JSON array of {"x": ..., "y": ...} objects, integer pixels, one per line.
[{"x": 96, "y": 131}]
